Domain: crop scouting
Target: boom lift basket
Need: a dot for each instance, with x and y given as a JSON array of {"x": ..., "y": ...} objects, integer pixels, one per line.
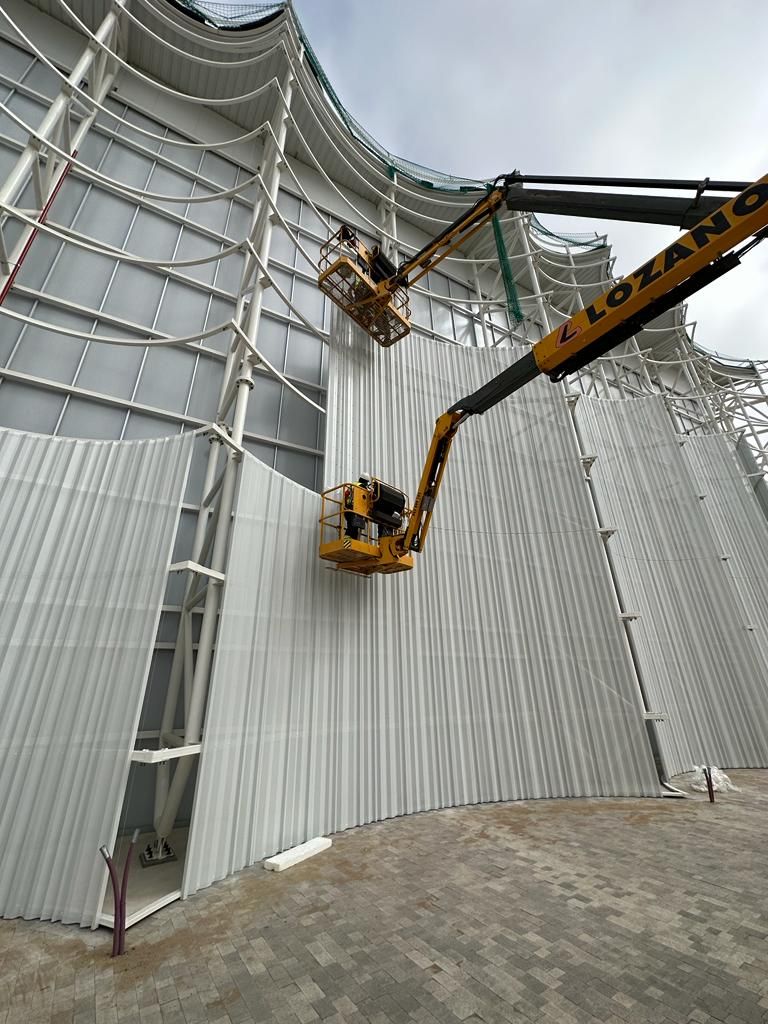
[
  {"x": 345, "y": 277},
  {"x": 351, "y": 542}
]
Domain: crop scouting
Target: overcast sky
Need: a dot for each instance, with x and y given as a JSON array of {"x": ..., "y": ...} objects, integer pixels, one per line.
[{"x": 647, "y": 88}]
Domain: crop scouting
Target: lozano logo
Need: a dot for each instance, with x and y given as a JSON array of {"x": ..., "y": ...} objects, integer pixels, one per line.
[{"x": 567, "y": 333}]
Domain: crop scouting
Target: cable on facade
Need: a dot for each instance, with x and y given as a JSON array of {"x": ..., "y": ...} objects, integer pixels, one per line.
[
  {"x": 91, "y": 175},
  {"x": 188, "y": 339},
  {"x": 281, "y": 294},
  {"x": 440, "y": 221},
  {"x": 196, "y": 58},
  {"x": 573, "y": 284},
  {"x": 377, "y": 229},
  {"x": 543, "y": 255},
  {"x": 286, "y": 227},
  {"x": 277, "y": 374},
  {"x": 112, "y": 252},
  {"x": 232, "y": 42}
]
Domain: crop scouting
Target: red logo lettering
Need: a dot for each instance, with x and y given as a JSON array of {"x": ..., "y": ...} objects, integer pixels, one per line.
[{"x": 564, "y": 335}]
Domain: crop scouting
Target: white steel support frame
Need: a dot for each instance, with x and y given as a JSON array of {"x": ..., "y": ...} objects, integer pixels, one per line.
[
  {"x": 521, "y": 225},
  {"x": 720, "y": 409},
  {"x": 481, "y": 310},
  {"x": 750, "y": 410},
  {"x": 619, "y": 371},
  {"x": 388, "y": 214},
  {"x": 47, "y": 168},
  {"x": 208, "y": 559}
]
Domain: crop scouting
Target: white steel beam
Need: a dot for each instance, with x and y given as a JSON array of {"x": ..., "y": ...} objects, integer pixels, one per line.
[
  {"x": 169, "y": 792},
  {"x": 47, "y": 170}
]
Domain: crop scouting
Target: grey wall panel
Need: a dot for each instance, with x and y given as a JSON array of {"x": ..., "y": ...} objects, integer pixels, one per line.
[
  {"x": 737, "y": 521},
  {"x": 496, "y": 669},
  {"x": 699, "y": 663},
  {"x": 84, "y": 549}
]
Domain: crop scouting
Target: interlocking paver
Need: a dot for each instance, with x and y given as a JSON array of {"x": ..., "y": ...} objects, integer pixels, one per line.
[{"x": 549, "y": 911}]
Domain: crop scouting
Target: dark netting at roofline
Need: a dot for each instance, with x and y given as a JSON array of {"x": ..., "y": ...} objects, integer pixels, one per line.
[
  {"x": 229, "y": 15},
  {"x": 587, "y": 240}
]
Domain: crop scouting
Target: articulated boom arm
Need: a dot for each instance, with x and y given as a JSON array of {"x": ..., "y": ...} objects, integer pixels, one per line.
[
  {"x": 374, "y": 292},
  {"x": 508, "y": 190},
  {"x": 454, "y": 236},
  {"x": 693, "y": 261},
  {"x": 431, "y": 477},
  {"x": 681, "y": 269}
]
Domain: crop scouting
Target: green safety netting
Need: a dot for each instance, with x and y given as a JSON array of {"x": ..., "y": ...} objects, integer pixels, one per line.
[
  {"x": 513, "y": 302},
  {"x": 242, "y": 15}
]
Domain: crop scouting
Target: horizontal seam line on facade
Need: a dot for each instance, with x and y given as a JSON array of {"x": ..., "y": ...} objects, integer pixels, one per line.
[
  {"x": 126, "y": 405},
  {"x": 56, "y": 301}
]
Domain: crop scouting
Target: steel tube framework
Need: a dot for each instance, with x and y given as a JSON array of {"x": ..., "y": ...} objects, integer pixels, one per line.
[{"x": 700, "y": 394}]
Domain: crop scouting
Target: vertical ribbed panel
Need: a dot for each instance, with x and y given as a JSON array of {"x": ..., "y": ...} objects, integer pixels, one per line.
[
  {"x": 87, "y": 531},
  {"x": 737, "y": 521},
  {"x": 699, "y": 663},
  {"x": 496, "y": 669}
]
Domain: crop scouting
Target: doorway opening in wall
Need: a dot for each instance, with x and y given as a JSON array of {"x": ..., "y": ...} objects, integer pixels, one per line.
[
  {"x": 149, "y": 888},
  {"x": 154, "y": 883}
]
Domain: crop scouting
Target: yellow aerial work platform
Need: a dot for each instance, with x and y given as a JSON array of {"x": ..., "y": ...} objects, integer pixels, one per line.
[
  {"x": 352, "y": 539},
  {"x": 346, "y": 266}
]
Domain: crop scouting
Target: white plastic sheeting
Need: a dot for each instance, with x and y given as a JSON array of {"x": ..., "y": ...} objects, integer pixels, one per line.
[
  {"x": 699, "y": 662},
  {"x": 496, "y": 669},
  {"x": 87, "y": 532}
]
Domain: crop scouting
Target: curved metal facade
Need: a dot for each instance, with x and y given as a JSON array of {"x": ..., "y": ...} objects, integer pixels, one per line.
[
  {"x": 498, "y": 669},
  {"x": 164, "y": 191}
]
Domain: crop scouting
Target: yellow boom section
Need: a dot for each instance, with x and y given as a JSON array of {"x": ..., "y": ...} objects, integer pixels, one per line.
[{"x": 711, "y": 238}]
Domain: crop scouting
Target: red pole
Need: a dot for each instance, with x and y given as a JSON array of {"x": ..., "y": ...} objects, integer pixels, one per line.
[
  {"x": 124, "y": 893},
  {"x": 40, "y": 220},
  {"x": 710, "y": 787}
]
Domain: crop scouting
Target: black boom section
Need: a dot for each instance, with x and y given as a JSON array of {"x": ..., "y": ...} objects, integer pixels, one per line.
[
  {"x": 684, "y": 213},
  {"x": 500, "y": 387},
  {"x": 526, "y": 369}
]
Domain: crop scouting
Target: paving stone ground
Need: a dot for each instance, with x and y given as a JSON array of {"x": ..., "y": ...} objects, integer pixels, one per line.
[{"x": 550, "y": 911}]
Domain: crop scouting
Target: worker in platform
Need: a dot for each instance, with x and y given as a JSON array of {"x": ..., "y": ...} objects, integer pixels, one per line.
[{"x": 355, "y": 523}]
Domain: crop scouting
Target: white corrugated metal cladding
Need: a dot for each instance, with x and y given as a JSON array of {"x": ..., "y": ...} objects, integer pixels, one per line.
[
  {"x": 88, "y": 528},
  {"x": 497, "y": 669},
  {"x": 679, "y": 511}
]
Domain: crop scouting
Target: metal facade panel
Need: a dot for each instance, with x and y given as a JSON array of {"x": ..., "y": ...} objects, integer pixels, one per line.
[
  {"x": 496, "y": 669},
  {"x": 86, "y": 540},
  {"x": 738, "y": 524},
  {"x": 699, "y": 664}
]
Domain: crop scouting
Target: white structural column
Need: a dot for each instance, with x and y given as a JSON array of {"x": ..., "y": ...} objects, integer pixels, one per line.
[
  {"x": 238, "y": 382},
  {"x": 543, "y": 312},
  {"x": 388, "y": 214},
  {"x": 605, "y": 529},
  {"x": 47, "y": 169}
]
